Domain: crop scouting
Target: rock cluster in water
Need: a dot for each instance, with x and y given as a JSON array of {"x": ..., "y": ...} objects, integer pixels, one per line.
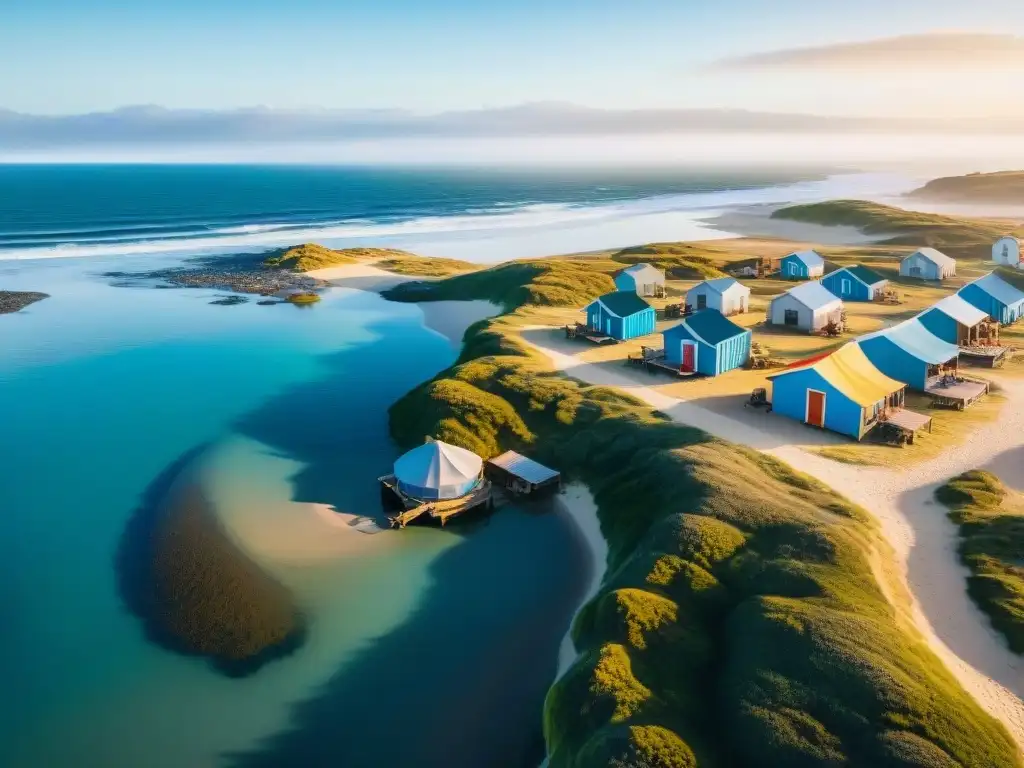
[{"x": 14, "y": 301}]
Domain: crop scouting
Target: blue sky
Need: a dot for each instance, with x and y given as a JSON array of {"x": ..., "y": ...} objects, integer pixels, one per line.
[{"x": 64, "y": 56}]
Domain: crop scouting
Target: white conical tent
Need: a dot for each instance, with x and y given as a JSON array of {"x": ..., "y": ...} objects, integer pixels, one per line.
[{"x": 437, "y": 470}]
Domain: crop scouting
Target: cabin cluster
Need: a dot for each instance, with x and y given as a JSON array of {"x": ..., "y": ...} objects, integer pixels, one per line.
[
  {"x": 853, "y": 389},
  {"x": 862, "y": 384}
]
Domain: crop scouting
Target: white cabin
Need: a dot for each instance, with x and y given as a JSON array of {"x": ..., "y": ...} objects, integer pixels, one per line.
[{"x": 1006, "y": 252}]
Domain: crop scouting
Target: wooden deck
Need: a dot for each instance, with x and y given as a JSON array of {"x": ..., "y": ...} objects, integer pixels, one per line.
[
  {"x": 909, "y": 421},
  {"x": 580, "y": 331},
  {"x": 437, "y": 511},
  {"x": 959, "y": 395},
  {"x": 654, "y": 360},
  {"x": 985, "y": 357}
]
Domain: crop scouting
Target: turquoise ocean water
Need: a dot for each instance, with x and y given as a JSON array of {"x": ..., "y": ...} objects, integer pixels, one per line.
[
  {"x": 102, "y": 388},
  {"x": 426, "y": 647}
]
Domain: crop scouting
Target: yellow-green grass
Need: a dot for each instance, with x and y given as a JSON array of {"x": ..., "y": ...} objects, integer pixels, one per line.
[
  {"x": 991, "y": 520},
  {"x": 959, "y": 236},
  {"x": 950, "y": 428},
  {"x": 1002, "y": 187},
  {"x": 312, "y": 256},
  {"x": 304, "y": 298},
  {"x": 740, "y": 622}
]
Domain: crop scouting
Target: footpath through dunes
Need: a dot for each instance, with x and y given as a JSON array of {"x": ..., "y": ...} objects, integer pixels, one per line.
[
  {"x": 923, "y": 540},
  {"x": 742, "y": 620}
]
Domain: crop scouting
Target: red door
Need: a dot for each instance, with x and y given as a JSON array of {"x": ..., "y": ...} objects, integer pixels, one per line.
[
  {"x": 689, "y": 353},
  {"x": 815, "y": 408}
]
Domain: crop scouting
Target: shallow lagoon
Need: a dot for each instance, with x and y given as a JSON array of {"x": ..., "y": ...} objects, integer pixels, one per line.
[{"x": 425, "y": 646}]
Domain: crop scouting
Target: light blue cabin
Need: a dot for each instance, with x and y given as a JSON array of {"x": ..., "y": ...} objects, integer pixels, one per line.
[
  {"x": 996, "y": 297},
  {"x": 928, "y": 264},
  {"x": 909, "y": 353},
  {"x": 802, "y": 265},
  {"x": 621, "y": 315},
  {"x": 641, "y": 279},
  {"x": 707, "y": 342},
  {"x": 856, "y": 283}
]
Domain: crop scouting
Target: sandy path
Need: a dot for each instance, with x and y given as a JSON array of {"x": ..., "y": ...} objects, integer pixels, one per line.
[{"x": 923, "y": 538}]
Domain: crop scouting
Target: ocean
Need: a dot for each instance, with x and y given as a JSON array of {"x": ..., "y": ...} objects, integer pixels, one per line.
[
  {"x": 426, "y": 646},
  {"x": 120, "y": 210}
]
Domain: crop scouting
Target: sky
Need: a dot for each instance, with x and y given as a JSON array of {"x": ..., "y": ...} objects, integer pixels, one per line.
[{"x": 60, "y": 57}]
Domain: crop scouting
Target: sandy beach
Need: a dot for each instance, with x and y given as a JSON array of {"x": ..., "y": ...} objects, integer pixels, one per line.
[
  {"x": 757, "y": 221},
  {"x": 577, "y": 502},
  {"x": 931, "y": 579}
]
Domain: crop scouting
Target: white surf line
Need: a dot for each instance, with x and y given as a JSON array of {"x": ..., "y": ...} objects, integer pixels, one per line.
[{"x": 918, "y": 530}]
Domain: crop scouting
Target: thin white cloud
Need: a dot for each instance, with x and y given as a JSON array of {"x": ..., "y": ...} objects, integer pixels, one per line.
[{"x": 936, "y": 52}]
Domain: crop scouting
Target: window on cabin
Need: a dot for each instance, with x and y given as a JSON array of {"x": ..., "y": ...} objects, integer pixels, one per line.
[
  {"x": 792, "y": 317},
  {"x": 702, "y": 301}
]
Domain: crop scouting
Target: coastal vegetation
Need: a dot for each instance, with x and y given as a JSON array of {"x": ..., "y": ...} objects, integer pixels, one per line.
[
  {"x": 991, "y": 521},
  {"x": 15, "y": 301},
  {"x": 311, "y": 256},
  {"x": 741, "y": 621},
  {"x": 1001, "y": 187},
  {"x": 304, "y": 299},
  {"x": 679, "y": 261},
  {"x": 194, "y": 590},
  {"x": 962, "y": 236}
]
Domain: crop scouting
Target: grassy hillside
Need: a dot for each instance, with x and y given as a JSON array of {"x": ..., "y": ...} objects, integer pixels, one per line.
[
  {"x": 310, "y": 256},
  {"x": 680, "y": 261},
  {"x": 991, "y": 521},
  {"x": 740, "y": 622},
  {"x": 545, "y": 282},
  {"x": 959, "y": 236},
  {"x": 1003, "y": 187}
]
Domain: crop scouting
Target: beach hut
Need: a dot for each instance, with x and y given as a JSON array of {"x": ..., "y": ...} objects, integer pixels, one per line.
[
  {"x": 995, "y": 296},
  {"x": 1006, "y": 252},
  {"x": 808, "y": 307},
  {"x": 909, "y": 352},
  {"x": 436, "y": 471},
  {"x": 954, "y": 320},
  {"x": 802, "y": 265},
  {"x": 726, "y": 294},
  {"x": 621, "y": 315},
  {"x": 856, "y": 283},
  {"x": 521, "y": 474},
  {"x": 641, "y": 279},
  {"x": 707, "y": 342},
  {"x": 928, "y": 264},
  {"x": 842, "y": 392}
]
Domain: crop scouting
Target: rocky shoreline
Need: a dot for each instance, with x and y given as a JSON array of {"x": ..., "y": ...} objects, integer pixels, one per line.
[
  {"x": 244, "y": 273},
  {"x": 15, "y": 301}
]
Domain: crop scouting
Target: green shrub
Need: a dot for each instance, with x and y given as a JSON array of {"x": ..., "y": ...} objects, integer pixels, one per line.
[{"x": 991, "y": 522}]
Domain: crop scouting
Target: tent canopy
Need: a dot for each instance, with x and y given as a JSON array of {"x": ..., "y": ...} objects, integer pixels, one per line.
[
  {"x": 438, "y": 466},
  {"x": 963, "y": 312},
  {"x": 849, "y": 371},
  {"x": 912, "y": 337}
]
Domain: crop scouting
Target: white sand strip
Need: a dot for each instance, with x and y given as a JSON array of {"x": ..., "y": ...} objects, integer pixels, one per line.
[
  {"x": 923, "y": 538},
  {"x": 577, "y": 502}
]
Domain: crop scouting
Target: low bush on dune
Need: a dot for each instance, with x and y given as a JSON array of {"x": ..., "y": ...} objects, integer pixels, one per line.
[
  {"x": 740, "y": 622},
  {"x": 991, "y": 521}
]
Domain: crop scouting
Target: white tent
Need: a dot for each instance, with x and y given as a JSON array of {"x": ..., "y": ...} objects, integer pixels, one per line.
[{"x": 437, "y": 470}]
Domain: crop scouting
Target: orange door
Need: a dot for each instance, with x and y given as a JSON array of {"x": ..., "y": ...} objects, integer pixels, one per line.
[
  {"x": 815, "y": 408},
  {"x": 688, "y": 356}
]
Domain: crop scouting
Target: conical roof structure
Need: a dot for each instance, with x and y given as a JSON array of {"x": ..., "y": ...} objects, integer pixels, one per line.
[{"x": 437, "y": 470}]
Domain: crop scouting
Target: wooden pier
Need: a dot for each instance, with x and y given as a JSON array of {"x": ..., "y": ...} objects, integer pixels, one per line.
[{"x": 435, "y": 511}]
